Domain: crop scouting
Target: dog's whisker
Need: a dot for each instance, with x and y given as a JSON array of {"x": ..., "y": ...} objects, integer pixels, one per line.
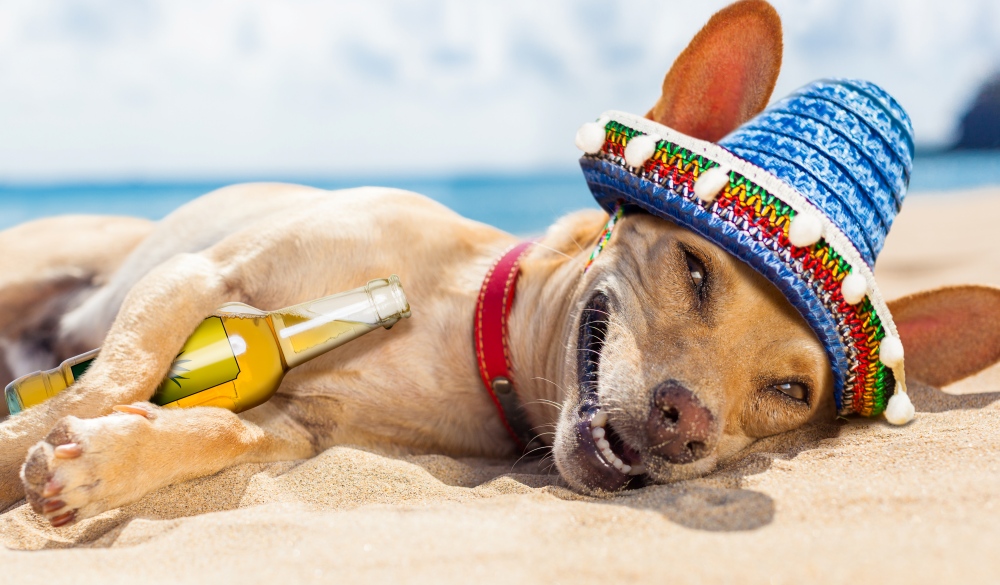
[
  {"x": 558, "y": 387},
  {"x": 616, "y": 325},
  {"x": 543, "y": 447},
  {"x": 542, "y": 426},
  {"x": 548, "y": 468},
  {"x": 577, "y": 244},
  {"x": 545, "y": 402},
  {"x": 551, "y": 249},
  {"x": 609, "y": 322},
  {"x": 550, "y": 425},
  {"x": 547, "y": 380},
  {"x": 552, "y": 402}
]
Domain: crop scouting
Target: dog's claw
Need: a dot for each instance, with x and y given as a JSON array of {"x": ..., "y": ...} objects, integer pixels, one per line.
[
  {"x": 132, "y": 409},
  {"x": 52, "y": 505},
  {"x": 63, "y": 519},
  {"x": 52, "y": 488},
  {"x": 68, "y": 451}
]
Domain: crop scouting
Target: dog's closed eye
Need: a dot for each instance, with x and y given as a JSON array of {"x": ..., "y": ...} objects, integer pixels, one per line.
[
  {"x": 792, "y": 390},
  {"x": 697, "y": 271}
]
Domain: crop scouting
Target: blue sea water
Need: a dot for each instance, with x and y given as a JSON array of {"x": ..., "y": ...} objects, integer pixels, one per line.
[{"x": 521, "y": 203}]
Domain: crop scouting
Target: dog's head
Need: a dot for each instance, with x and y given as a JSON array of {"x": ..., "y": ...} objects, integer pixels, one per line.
[
  {"x": 681, "y": 354},
  {"x": 684, "y": 356}
]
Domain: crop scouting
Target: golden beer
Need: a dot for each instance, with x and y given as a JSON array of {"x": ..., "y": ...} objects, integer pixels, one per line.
[{"x": 237, "y": 358}]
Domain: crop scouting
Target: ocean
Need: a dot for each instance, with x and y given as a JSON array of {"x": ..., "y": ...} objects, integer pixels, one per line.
[{"x": 519, "y": 203}]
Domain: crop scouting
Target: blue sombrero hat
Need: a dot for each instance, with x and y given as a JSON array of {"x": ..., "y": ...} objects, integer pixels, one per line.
[{"x": 804, "y": 193}]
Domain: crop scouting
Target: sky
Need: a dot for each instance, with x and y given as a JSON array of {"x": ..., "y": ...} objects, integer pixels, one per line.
[{"x": 186, "y": 89}]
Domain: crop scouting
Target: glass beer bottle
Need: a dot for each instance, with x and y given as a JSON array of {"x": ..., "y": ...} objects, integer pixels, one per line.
[{"x": 237, "y": 357}]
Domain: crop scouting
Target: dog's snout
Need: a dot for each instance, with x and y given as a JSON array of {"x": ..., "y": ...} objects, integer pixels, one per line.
[{"x": 680, "y": 427}]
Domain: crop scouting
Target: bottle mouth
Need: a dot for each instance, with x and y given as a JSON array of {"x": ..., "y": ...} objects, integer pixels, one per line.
[
  {"x": 388, "y": 299},
  {"x": 400, "y": 297}
]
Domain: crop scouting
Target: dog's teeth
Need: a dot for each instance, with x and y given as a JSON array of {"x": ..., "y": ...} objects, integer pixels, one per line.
[
  {"x": 597, "y": 429},
  {"x": 637, "y": 469}
]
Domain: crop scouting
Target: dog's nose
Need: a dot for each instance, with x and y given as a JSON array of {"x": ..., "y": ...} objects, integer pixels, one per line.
[{"x": 680, "y": 428}]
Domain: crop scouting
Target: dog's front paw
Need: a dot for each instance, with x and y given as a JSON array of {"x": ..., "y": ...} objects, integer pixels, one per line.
[{"x": 84, "y": 467}]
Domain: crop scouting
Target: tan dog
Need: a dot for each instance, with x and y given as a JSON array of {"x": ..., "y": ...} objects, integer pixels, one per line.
[{"x": 655, "y": 333}]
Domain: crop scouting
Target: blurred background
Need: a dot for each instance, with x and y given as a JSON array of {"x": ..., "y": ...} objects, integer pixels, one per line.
[{"x": 136, "y": 106}]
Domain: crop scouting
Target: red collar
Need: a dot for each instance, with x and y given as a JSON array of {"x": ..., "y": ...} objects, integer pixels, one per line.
[{"x": 496, "y": 297}]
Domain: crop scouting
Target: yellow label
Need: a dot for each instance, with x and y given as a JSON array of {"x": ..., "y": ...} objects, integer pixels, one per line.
[{"x": 205, "y": 361}]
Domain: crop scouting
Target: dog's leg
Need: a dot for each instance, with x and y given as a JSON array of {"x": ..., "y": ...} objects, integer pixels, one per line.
[
  {"x": 156, "y": 318},
  {"x": 84, "y": 467}
]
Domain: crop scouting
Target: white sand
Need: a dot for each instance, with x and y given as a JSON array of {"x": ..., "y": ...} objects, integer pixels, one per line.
[{"x": 853, "y": 502}]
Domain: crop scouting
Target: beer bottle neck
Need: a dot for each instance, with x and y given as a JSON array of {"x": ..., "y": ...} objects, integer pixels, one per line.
[{"x": 311, "y": 329}]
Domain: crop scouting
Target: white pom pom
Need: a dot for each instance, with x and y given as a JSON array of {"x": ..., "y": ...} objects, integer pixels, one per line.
[
  {"x": 890, "y": 351},
  {"x": 711, "y": 183},
  {"x": 806, "y": 230},
  {"x": 590, "y": 137},
  {"x": 639, "y": 149},
  {"x": 854, "y": 288},
  {"x": 899, "y": 411}
]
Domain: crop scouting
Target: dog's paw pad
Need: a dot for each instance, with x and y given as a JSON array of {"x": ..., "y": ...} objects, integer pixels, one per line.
[
  {"x": 60, "y": 434},
  {"x": 36, "y": 467}
]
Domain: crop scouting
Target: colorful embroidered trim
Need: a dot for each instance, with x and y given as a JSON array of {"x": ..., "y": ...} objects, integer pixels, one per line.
[
  {"x": 868, "y": 383},
  {"x": 602, "y": 240}
]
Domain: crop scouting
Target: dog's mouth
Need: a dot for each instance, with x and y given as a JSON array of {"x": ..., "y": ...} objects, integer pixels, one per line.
[{"x": 610, "y": 463}]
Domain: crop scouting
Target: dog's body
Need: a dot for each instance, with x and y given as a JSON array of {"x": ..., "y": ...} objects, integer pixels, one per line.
[{"x": 416, "y": 388}]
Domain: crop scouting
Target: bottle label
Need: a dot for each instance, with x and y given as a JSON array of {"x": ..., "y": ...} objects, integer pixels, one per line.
[
  {"x": 81, "y": 368},
  {"x": 205, "y": 361}
]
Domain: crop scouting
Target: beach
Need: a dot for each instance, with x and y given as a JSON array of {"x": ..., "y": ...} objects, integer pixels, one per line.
[{"x": 849, "y": 501}]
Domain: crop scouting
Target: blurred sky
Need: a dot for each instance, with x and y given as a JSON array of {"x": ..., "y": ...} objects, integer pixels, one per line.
[{"x": 153, "y": 89}]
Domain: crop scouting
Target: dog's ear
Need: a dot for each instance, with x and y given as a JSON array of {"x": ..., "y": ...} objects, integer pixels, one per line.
[
  {"x": 949, "y": 333},
  {"x": 726, "y": 75}
]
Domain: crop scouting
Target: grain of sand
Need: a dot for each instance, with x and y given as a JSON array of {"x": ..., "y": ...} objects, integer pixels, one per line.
[{"x": 857, "y": 501}]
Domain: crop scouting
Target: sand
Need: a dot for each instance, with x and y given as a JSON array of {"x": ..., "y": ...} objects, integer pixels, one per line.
[{"x": 856, "y": 501}]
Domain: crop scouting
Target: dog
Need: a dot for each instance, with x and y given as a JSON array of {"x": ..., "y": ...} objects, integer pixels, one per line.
[{"x": 659, "y": 318}]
